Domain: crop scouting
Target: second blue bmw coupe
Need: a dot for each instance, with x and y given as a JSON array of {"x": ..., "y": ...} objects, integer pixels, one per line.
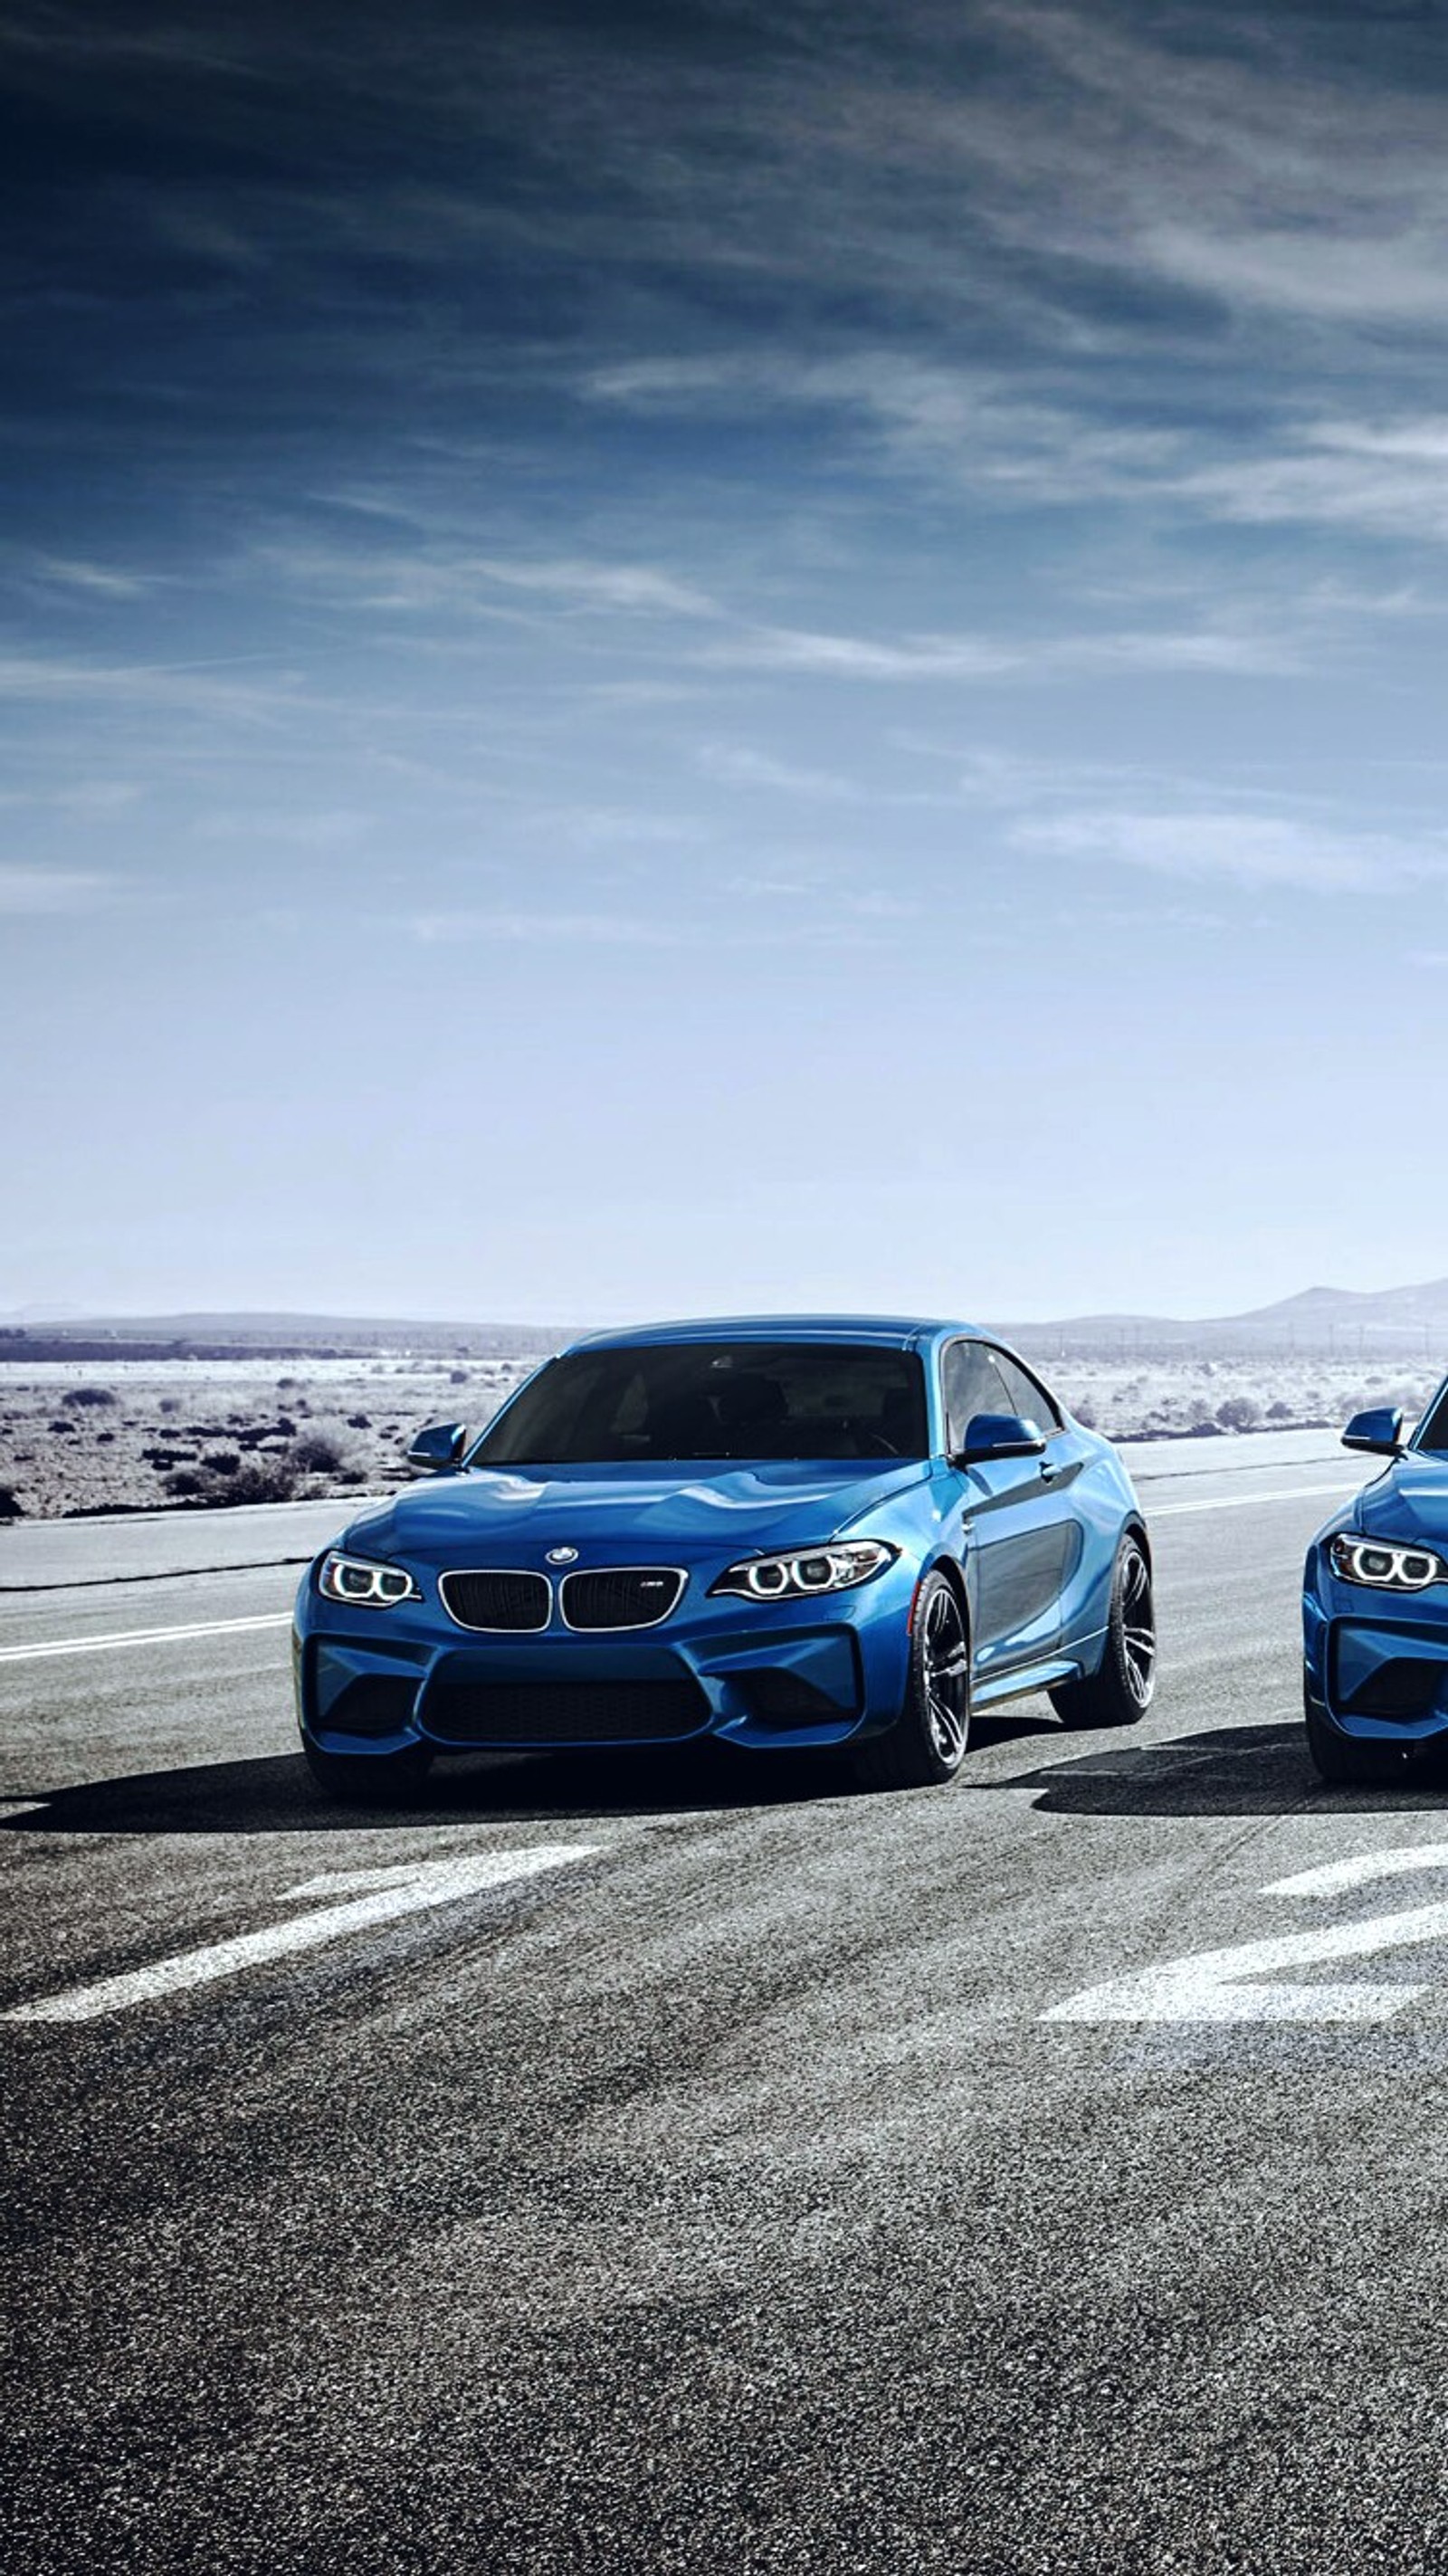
[
  {"x": 783, "y": 1532},
  {"x": 1375, "y": 1605}
]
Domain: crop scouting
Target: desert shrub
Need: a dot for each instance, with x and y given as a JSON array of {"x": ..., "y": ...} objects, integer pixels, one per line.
[
  {"x": 169, "y": 1404},
  {"x": 359, "y": 1421},
  {"x": 284, "y": 1428},
  {"x": 285, "y": 1384},
  {"x": 222, "y": 1462},
  {"x": 256, "y": 1480},
  {"x": 61, "y": 1424},
  {"x": 103, "y": 1438},
  {"x": 1204, "y": 1428},
  {"x": 322, "y": 1450},
  {"x": 11, "y": 1507},
  {"x": 183, "y": 1483},
  {"x": 457, "y": 1377},
  {"x": 1279, "y": 1412},
  {"x": 85, "y": 1396},
  {"x": 1238, "y": 1412},
  {"x": 1086, "y": 1414}
]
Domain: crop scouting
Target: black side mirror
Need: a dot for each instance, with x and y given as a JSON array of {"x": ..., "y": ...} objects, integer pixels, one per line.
[
  {"x": 433, "y": 1451},
  {"x": 1000, "y": 1435},
  {"x": 1379, "y": 1431}
]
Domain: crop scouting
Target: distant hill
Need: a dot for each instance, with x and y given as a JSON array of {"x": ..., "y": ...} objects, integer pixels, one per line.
[
  {"x": 276, "y": 1336},
  {"x": 1333, "y": 1322},
  {"x": 1343, "y": 1323}
]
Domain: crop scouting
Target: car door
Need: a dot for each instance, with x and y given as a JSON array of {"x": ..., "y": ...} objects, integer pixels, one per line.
[{"x": 1019, "y": 1523}]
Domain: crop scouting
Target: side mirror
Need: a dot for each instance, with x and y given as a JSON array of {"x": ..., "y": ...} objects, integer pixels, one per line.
[
  {"x": 433, "y": 1451},
  {"x": 1000, "y": 1435},
  {"x": 1380, "y": 1431}
]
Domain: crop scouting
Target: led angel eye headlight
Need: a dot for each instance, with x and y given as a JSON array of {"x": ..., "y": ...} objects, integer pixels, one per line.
[
  {"x": 367, "y": 1585},
  {"x": 1383, "y": 1564},
  {"x": 807, "y": 1570}
]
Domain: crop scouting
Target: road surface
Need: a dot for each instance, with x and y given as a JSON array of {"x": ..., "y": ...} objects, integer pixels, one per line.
[{"x": 689, "y": 2166}]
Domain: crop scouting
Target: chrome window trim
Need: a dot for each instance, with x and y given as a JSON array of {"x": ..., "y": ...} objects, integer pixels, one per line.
[
  {"x": 626, "y": 1627},
  {"x": 470, "y": 1627}
]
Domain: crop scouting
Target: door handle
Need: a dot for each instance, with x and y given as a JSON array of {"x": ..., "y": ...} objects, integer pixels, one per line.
[{"x": 1051, "y": 1468}]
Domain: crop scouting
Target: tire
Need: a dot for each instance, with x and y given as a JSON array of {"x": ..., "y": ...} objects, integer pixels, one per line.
[
  {"x": 1120, "y": 1692},
  {"x": 926, "y": 1745},
  {"x": 1338, "y": 1762},
  {"x": 367, "y": 1779}
]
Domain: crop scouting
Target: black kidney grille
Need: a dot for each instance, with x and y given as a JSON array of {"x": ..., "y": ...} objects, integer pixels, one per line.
[
  {"x": 565, "y": 1712},
  {"x": 621, "y": 1596},
  {"x": 496, "y": 1598}
]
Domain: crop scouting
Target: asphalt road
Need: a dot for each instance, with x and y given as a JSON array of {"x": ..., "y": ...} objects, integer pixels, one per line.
[{"x": 748, "y": 2187}]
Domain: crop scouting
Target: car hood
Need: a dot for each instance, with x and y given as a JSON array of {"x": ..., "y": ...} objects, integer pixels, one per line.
[
  {"x": 498, "y": 1515},
  {"x": 1409, "y": 1502}
]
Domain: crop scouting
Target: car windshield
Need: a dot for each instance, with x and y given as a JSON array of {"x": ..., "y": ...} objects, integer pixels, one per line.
[{"x": 685, "y": 1400}]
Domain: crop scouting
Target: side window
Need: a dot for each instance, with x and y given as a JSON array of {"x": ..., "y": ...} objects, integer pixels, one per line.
[
  {"x": 970, "y": 1383},
  {"x": 1027, "y": 1396}
]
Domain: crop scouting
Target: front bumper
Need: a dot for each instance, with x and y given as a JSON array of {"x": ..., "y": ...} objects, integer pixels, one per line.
[
  {"x": 1377, "y": 1664},
  {"x": 808, "y": 1673}
]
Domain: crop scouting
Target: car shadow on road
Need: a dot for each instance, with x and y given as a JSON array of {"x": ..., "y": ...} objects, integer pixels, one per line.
[
  {"x": 274, "y": 1793},
  {"x": 1229, "y": 1771}
]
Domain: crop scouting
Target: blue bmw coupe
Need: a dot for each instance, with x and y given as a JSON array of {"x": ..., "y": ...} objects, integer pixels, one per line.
[
  {"x": 1375, "y": 1605},
  {"x": 783, "y": 1532}
]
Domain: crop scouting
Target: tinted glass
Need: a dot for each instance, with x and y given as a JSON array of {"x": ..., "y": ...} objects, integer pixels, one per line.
[
  {"x": 971, "y": 1384},
  {"x": 1027, "y": 1397},
  {"x": 1434, "y": 1434},
  {"x": 714, "y": 1400}
]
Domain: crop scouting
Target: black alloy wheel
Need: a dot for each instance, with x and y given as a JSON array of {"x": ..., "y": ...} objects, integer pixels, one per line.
[
  {"x": 1120, "y": 1692},
  {"x": 927, "y": 1743}
]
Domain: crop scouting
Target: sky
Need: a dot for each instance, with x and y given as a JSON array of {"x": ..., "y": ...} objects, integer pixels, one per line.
[{"x": 743, "y": 654}]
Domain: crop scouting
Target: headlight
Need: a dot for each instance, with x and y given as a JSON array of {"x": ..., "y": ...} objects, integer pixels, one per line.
[
  {"x": 1384, "y": 1565},
  {"x": 807, "y": 1570},
  {"x": 359, "y": 1580}
]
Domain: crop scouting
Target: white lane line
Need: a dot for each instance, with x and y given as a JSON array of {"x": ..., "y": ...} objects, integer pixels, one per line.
[
  {"x": 1235, "y": 1502},
  {"x": 282, "y": 1618},
  {"x": 144, "y": 1637},
  {"x": 408, "y": 1888}
]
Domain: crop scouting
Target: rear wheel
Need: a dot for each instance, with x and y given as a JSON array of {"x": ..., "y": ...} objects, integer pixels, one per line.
[
  {"x": 1120, "y": 1692},
  {"x": 926, "y": 1745},
  {"x": 1337, "y": 1760},
  {"x": 367, "y": 1779}
]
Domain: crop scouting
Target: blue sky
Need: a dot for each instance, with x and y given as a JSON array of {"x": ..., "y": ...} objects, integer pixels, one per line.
[{"x": 671, "y": 658}]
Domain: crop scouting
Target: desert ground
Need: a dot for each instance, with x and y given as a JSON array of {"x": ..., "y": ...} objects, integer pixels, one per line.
[{"x": 79, "y": 1437}]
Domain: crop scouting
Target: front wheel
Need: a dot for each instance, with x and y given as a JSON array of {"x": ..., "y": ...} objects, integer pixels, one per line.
[
  {"x": 367, "y": 1779},
  {"x": 926, "y": 1745},
  {"x": 1120, "y": 1692}
]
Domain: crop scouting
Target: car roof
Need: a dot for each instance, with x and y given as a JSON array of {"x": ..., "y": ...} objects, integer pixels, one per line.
[{"x": 893, "y": 1331}]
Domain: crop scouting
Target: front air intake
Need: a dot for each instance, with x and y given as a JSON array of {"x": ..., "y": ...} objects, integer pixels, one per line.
[
  {"x": 621, "y": 1596},
  {"x": 497, "y": 1599}
]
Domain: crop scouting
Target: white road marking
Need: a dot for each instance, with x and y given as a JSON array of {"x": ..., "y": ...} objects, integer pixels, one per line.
[
  {"x": 1207, "y": 1987},
  {"x": 1235, "y": 1502},
  {"x": 282, "y": 1618},
  {"x": 384, "y": 1895},
  {"x": 144, "y": 1637},
  {"x": 1337, "y": 1876}
]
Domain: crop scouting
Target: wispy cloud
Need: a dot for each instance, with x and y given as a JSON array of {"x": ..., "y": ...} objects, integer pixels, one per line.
[
  {"x": 99, "y": 581},
  {"x": 52, "y": 890},
  {"x": 1257, "y": 850}
]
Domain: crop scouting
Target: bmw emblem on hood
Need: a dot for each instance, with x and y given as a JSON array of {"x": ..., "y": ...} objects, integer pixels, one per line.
[{"x": 561, "y": 1556}]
